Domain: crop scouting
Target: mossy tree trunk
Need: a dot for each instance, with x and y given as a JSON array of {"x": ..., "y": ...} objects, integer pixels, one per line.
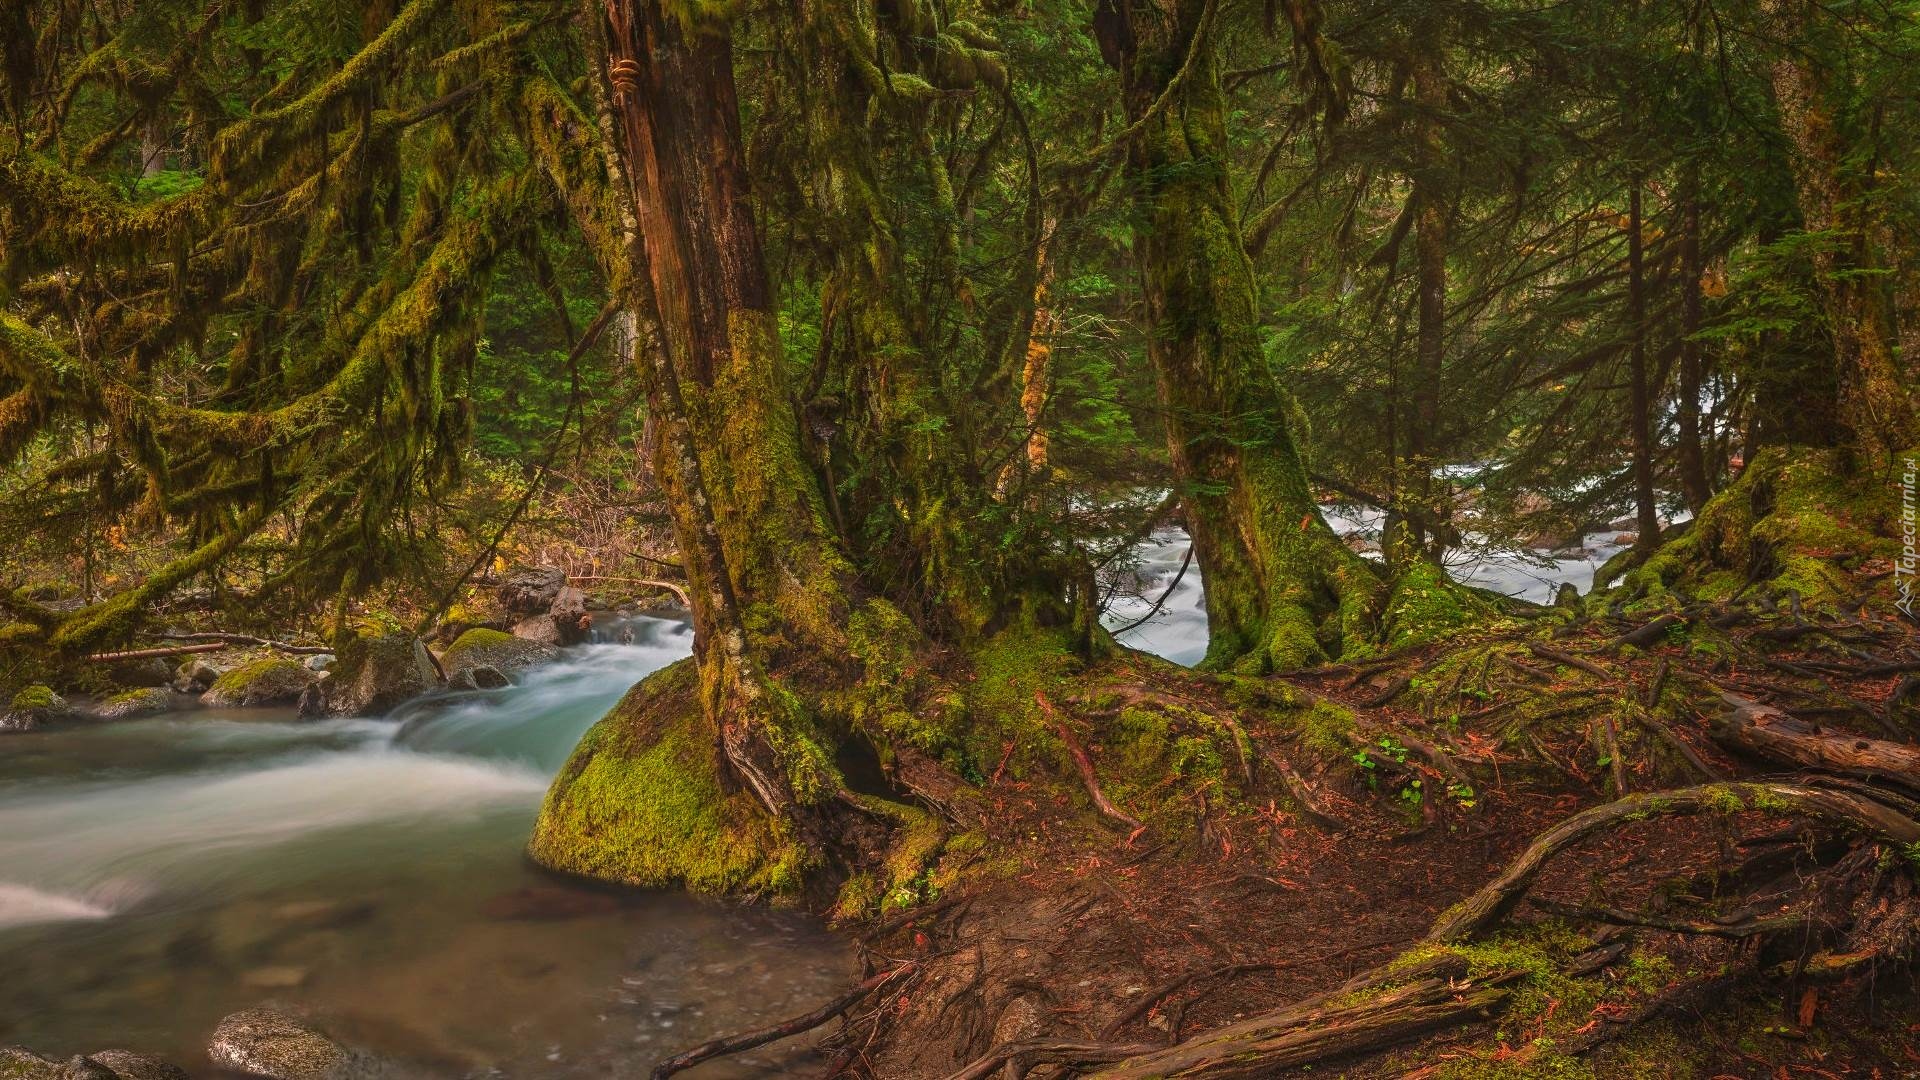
[
  {"x": 1282, "y": 591},
  {"x": 1874, "y": 405},
  {"x": 769, "y": 586}
]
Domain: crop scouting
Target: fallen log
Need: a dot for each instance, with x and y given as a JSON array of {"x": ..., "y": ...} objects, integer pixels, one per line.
[
  {"x": 1765, "y": 732},
  {"x": 249, "y": 639}
]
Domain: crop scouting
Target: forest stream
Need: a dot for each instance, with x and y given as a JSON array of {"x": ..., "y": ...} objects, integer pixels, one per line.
[
  {"x": 163, "y": 872},
  {"x": 157, "y": 874}
]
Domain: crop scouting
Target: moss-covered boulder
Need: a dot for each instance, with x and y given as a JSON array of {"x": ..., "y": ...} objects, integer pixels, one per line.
[
  {"x": 274, "y": 680},
  {"x": 483, "y": 648},
  {"x": 33, "y": 707},
  {"x": 371, "y": 675},
  {"x": 153, "y": 699},
  {"x": 641, "y": 803}
]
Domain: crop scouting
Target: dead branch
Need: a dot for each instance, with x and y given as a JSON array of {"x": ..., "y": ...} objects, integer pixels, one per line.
[
  {"x": 248, "y": 639},
  {"x": 143, "y": 654}
]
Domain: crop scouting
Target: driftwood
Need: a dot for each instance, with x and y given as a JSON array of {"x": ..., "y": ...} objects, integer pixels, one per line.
[
  {"x": 1494, "y": 900},
  {"x": 1765, "y": 732},
  {"x": 249, "y": 639},
  {"x": 675, "y": 588},
  {"x": 734, "y": 1044}
]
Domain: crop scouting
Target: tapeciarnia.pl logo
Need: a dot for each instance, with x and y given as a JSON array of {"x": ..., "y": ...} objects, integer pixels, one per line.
[{"x": 1904, "y": 567}]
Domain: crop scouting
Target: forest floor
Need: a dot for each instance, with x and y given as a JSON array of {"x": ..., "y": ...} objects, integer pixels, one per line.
[{"x": 1097, "y": 941}]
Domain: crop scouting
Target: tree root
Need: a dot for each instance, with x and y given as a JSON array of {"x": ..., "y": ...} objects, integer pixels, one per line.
[
  {"x": 1369, "y": 1014},
  {"x": 734, "y": 1044},
  {"x": 1494, "y": 900},
  {"x": 1084, "y": 764}
]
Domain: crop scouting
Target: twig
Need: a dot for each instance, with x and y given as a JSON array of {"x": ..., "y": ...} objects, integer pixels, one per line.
[
  {"x": 248, "y": 639},
  {"x": 142, "y": 654}
]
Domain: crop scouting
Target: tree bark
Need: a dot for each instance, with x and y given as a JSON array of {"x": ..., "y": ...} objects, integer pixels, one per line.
[
  {"x": 1874, "y": 405},
  {"x": 1432, "y": 207},
  {"x": 1281, "y": 590},
  {"x": 1688, "y": 448},
  {"x": 1647, "y": 511},
  {"x": 762, "y": 564}
]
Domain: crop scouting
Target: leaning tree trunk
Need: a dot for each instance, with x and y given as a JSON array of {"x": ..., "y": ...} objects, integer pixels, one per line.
[
  {"x": 1282, "y": 591},
  {"x": 1874, "y": 406}
]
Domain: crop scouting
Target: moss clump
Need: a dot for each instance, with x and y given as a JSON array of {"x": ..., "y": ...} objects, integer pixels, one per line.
[
  {"x": 271, "y": 681},
  {"x": 37, "y": 698},
  {"x": 641, "y": 803}
]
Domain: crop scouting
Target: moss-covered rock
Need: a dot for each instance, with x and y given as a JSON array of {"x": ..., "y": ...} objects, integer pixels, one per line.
[
  {"x": 153, "y": 699},
  {"x": 34, "y": 706},
  {"x": 270, "y": 681},
  {"x": 484, "y": 648},
  {"x": 372, "y": 674},
  {"x": 641, "y": 802}
]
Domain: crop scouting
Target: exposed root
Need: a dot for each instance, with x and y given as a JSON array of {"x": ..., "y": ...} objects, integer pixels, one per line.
[{"x": 735, "y": 1044}]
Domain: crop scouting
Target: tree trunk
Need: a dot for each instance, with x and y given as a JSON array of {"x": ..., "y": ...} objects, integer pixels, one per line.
[
  {"x": 1431, "y": 210},
  {"x": 763, "y": 565},
  {"x": 1647, "y": 511},
  {"x": 1874, "y": 406},
  {"x": 1282, "y": 591},
  {"x": 1690, "y": 449}
]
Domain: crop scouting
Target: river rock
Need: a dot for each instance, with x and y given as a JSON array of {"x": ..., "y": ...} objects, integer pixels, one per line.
[
  {"x": 20, "y": 1063},
  {"x": 154, "y": 699},
  {"x": 505, "y": 654},
  {"x": 531, "y": 590},
  {"x": 128, "y": 1065},
  {"x": 273, "y": 681},
  {"x": 199, "y": 672},
  {"x": 152, "y": 671},
  {"x": 265, "y": 1043},
  {"x": 373, "y": 674},
  {"x": 319, "y": 661},
  {"x": 480, "y": 677},
  {"x": 31, "y": 708}
]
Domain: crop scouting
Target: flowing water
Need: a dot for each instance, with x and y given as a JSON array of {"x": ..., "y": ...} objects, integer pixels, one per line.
[{"x": 158, "y": 874}]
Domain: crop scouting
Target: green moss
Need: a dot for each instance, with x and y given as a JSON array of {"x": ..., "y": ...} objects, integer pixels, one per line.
[
  {"x": 641, "y": 803},
  {"x": 1796, "y": 521},
  {"x": 492, "y": 648},
  {"x": 271, "y": 679},
  {"x": 36, "y": 697}
]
